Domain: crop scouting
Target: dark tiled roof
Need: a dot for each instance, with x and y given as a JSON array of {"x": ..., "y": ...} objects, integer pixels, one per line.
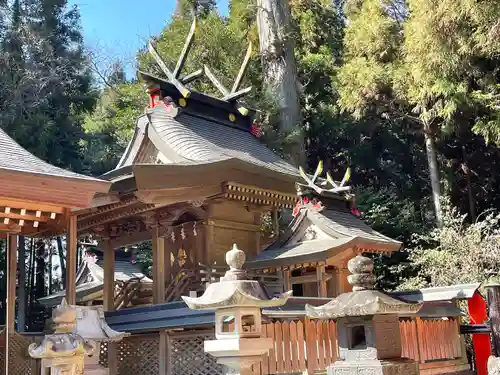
[
  {"x": 124, "y": 271},
  {"x": 188, "y": 139},
  {"x": 15, "y": 158}
]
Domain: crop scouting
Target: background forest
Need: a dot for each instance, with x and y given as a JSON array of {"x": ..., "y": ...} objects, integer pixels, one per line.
[{"x": 405, "y": 93}]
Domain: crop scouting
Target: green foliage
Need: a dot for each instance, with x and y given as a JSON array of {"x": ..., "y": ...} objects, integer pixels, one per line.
[
  {"x": 110, "y": 126},
  {"x": 372, "y": 44},
  {"x": 46, "y": 85},
  {"x": 457, "y": 253}
]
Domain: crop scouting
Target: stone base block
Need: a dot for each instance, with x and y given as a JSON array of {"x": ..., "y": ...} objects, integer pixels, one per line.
[
  {"x": 95, "y": 370},
  {"x": 374, "y": 367},
  {"x": 493, "y": 366}
]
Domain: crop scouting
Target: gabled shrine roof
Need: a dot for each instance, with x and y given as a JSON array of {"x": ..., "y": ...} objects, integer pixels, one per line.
[
  {"x": 13, "y": 157},
  {"x": 90, "y": 280},
  {"x": 331, "y": 230},
  {"x": 188, "y": 138}
]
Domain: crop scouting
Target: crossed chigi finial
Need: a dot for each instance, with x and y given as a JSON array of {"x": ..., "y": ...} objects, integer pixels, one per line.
[
  {"x": 322, "y": 187},
  {"x": 174, "y": 77}
]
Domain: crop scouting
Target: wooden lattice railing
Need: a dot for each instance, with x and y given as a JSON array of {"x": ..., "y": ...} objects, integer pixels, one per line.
[
  {"x": 20, "y": 363},
  {"x": 298, "y": 346}
]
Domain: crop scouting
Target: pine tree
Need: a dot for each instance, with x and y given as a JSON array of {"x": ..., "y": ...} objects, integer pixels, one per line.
[{"x": 62, "y": 83}]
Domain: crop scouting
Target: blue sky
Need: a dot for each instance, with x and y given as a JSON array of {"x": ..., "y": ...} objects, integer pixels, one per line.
[{"x": 117, "y": 29}]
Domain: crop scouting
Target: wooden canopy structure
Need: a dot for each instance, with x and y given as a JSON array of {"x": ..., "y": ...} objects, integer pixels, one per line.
[
  {"x": 36, "y": 199},
  {"x": 35, "y": 196}
]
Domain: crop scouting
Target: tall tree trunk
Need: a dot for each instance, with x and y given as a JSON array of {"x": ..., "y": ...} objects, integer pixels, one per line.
[
  {"x": 62, "y": 260},
  {"x": 430, "y": 147},
  {"x": 40, "y": 269},
  {"x": 21, "y": 294},
  {"x": 280, "y": 69},
  {"x": 50, "y": 270},
  {"x": 470, "y": 194},
  {"x": 32, "y": 282}
]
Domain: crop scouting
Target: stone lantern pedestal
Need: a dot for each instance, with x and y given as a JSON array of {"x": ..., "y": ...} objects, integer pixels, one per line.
[
  {"x": 64, "y": 351},
  {"x": 91, "y": 325},
  {"x": 237, "y": 302},
  {"x": 367, "y": 321}
]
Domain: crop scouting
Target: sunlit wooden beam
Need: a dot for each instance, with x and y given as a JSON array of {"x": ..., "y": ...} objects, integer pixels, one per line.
[
  {"x": 185, "y": 50},
  {"x": 156, "y": 56}
]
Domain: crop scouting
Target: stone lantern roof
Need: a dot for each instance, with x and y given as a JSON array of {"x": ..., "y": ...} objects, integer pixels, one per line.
[
  {"x": 235, "y": 290},
  {"x": 364, "y": 300}
]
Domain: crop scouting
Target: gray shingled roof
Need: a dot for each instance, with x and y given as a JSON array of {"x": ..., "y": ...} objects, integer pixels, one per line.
[
  {"x": 124, "y": 271},
  {"x": 14, "y": 157},
  {"x": 340, "y": 225},
  {"x": 178, "y": 315},
  {"x": 307, "y": 251},
  {"x": 189, "y": 139}
]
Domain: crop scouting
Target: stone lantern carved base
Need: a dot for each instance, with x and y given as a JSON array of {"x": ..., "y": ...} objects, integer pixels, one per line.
[
  {"x": 493, "y": 366},
  {"x": 374, "y": 367}
]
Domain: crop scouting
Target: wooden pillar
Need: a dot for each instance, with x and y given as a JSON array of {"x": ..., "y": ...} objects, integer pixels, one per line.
[
  {"x": 159, "y": 291},
  {"x": 287, "y": 280},
  {"x": 320, "y": 279},
  {"x": 493, "y": 299},
  {"x": 11, "y": 293},
  {"x": 256, "y": 221},
  {"x": 109, "y": 299},
  {"x": 209, "y": 237},
  {"x": 164, "y": 360},
  {"x": 21, "y": 287},
  {"x": 109, "y": 276},
  {"x": 342, "y": 285},
  {"x": 71, "y": 246},
  {"x": 158, "y": 265}
]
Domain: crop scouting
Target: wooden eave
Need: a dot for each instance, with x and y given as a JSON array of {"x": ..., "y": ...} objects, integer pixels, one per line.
[
  {"x": 172, "y": 176},
  {"x": 48, "y": 189},
  {"x": 36, "y": 204},
  {"x": 333, "y": 255}
]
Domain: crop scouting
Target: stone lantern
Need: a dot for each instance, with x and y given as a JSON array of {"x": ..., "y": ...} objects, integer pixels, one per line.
[
  {"x": 91, "y": 325},
  {"x": 63, "y": 351},
  {"x": 367, "y": 321},
  {"x": 237, "y": 302}
]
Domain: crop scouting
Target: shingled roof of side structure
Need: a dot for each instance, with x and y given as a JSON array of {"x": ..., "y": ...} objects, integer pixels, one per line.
[
  {"x": 14, "y": 158},
  {"x": 25, "y": 177},
  {"x": 320, "y": 235}
]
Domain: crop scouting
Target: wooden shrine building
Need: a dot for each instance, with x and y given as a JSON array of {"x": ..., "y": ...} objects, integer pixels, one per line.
[
  {"x": 36, "y": 200},
  {"x": 325, "y": 233},
  {"x": 194, "y": 180},
  {"x": 132, "y": 287}
]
